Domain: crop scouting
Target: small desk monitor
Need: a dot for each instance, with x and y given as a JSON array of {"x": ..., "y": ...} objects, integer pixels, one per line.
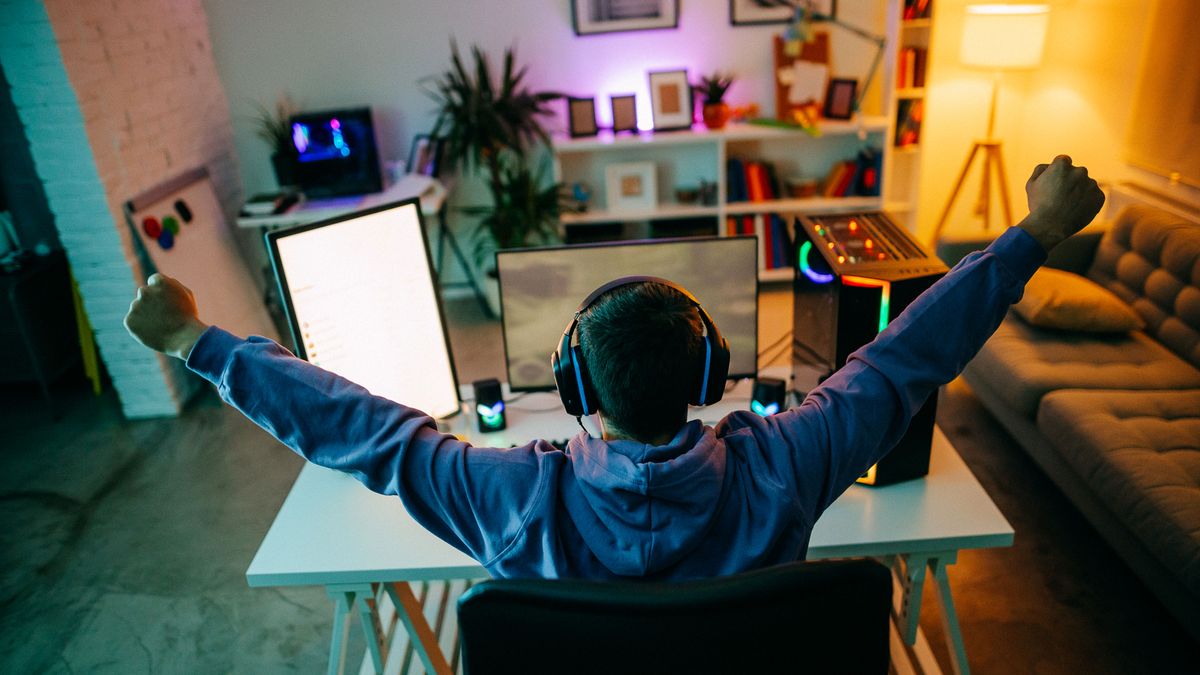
[
  {"x": 362, "y": 302},
  {"x": 541, "y": 288},
  {"x": 335, "y": 153}
]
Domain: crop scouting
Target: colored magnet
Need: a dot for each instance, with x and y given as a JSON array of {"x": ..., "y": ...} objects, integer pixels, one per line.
[
  {"x": 151, "y": 227},
  {"x": 166, "y": 240},
  {"x": 183, "y": 210},
  {"x": 170, "y": 224}
]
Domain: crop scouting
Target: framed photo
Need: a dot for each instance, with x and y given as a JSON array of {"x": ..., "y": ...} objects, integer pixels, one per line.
[
  {"x": 758, "y": 12},
  {"x": 631, "y": 186},
  {"x": 839, "y": 98},
  {"x": 591, "y": 17},
  {"x": 670, "y": 99},
  {"x": 581, "y": 116},
  {"x": 624, "y": 113},
  {"x": 425, "y": 155}
]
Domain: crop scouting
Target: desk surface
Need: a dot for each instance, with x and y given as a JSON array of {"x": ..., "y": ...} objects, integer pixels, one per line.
[
  {"x": 332, "y": 530},
  {"x": 431, "y": 192}
]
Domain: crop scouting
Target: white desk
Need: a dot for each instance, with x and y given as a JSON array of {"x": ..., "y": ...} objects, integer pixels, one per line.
[
  {"x": 431, "y": 193},
  {"x": 363, "y": 547}
]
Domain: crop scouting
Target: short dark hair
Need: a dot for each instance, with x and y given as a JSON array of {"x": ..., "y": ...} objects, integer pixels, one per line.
[{"x": 641, "y": 343}]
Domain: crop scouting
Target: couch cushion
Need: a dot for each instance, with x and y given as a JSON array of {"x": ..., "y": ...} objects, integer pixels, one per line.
[
  {"x": 1023, "y": 363},
  {"x": 1151, "y": 259},
  {"x": 1140, "y": 452},
  {"x": 1066, "y": 301}
]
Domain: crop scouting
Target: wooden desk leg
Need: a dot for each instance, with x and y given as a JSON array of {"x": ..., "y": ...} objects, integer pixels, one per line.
[
  {"x": 958, "y": 651},
  {"x": 421, "y": 635}
]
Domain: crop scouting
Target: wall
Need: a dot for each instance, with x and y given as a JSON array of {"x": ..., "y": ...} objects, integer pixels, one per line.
[
  {"x": 116, "y": 96},
  {"x": 1079, "y": 102},
  {"x": 376, "y": 52},
  {"x": 19, "y": 182}
]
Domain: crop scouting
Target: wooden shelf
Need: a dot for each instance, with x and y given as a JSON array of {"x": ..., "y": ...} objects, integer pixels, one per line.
[
  {"x": 698, "y": 134},
  {"x": 911, "y": 92},
  {"x": 776, "y": 275},
  {"x": 807, "y": 205},
  {"x": 662, "y": 212}
]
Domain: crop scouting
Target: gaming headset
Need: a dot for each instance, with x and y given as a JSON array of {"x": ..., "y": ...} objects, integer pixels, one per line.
[{"x": 571, "y": 372}]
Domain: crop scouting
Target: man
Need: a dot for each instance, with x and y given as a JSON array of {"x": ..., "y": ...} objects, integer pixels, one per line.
[{"x": 656, "y": 496}]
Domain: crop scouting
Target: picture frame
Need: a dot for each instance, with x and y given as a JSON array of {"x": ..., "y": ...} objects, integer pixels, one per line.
[
  {"x": 631, "y": 186},
  {"x": 425, "y": 155},
  {"x": 754, "y": 13},
  {"x": 624, "y": 112},
  {"x": 671, "y": 100},
  {"x": 839, "y": 98},
  {"x": 594, "y": 17},
  {"x": 581, "y": 117}
]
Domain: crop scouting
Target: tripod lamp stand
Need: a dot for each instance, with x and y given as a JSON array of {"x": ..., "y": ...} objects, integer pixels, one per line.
[{"x": 998, "y": 38}]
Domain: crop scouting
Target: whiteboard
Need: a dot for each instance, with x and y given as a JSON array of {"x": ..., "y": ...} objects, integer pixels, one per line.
[{"x": 181, "y": 232}]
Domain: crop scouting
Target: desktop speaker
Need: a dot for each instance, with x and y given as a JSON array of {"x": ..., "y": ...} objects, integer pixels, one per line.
[
  {"x": 855, "y": 273},
  {"x": 768, "y": 396},
  {"x": 489, "y": 405}
]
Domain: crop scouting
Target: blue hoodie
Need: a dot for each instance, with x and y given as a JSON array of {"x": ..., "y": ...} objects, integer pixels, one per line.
[{"x": 713, "y": 501}]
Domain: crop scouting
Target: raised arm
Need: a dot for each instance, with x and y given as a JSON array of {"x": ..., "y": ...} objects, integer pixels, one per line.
[
  {"x": 859, "y": 413},
  {"x": 472, "y": 498}
]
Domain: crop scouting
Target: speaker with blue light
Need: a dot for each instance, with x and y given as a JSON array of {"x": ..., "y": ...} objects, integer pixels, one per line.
[
  {"x": 855, "y": 273},
  {"x": 489, "y": 405},
  {"x": 768, "y": 396}
]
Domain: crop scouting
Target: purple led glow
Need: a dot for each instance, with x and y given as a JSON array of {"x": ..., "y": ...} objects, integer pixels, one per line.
[{"x": 300, "y": 137}]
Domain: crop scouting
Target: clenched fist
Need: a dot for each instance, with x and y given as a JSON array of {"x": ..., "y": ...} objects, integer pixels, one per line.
[
  {"x": 163, "y": 317},
  {"x": 1062, "y": 201}
]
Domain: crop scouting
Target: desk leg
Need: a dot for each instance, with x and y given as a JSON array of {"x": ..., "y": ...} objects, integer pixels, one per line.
[
  {"x": 911, "y": 571},
  {"x": 342, "y": 602},
  {"x": 423, "y": 639},
  {"x": 958, "y": 651}
]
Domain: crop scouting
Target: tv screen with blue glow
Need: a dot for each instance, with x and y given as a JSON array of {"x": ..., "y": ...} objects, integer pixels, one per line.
[{"x": 335, "y": 153}]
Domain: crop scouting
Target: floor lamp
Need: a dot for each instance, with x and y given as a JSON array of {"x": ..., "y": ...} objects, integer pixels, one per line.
[{"x": 998, "y": 38}]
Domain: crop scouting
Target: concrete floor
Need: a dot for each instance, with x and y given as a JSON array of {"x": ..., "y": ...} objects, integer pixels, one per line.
[{"x": 124, "y": 545}]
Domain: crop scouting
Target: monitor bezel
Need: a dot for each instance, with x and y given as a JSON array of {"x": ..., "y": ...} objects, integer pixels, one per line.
[
  {"x": 274, "y": 236},
  {"x": 618, "y": 244}
]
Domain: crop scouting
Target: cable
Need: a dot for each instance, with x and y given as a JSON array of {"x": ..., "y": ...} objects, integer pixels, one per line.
[{"x": 771, "y": 346}]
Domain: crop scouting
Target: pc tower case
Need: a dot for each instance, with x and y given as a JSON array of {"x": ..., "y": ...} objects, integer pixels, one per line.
[{"x": 855, "y": 272}]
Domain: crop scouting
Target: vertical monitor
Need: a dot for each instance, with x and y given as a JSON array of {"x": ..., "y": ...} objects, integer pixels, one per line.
[
  {"x": 362, "y": 302},
  {"x": 541, "y": 288}
]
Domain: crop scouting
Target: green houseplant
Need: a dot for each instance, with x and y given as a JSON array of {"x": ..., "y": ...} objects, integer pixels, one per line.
[
  {"x": 271, "y": 125},
  {"x": 713, "y": 88},
  {"x": 490, "y": 124}
]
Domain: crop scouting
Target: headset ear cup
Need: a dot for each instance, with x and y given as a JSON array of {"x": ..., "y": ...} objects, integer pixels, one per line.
[
  {"x": 588, "y": 403},
  {"x": 564, "y": 380},
  {"x": 718, "y": 371}
]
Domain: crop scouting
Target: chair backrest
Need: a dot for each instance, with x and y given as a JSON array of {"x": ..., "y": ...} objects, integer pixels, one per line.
[{"x": 818, "y": 617}]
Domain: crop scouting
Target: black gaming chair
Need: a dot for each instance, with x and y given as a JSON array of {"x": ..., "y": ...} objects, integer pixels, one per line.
[{"x": 806, "y": 617}]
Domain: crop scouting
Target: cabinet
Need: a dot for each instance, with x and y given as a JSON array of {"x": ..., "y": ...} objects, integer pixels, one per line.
[
  {"x": 682, "y": 159},
  {"x": 904, "y": 90}
]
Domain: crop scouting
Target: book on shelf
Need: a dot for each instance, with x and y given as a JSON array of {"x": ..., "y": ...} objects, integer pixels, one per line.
[
  {"x": 751, "y": 181},
  {"x": 917, "y": 9},
  {"x": 775, "y": 241},
  {"x": 911, "y": 67},
  {"x": 909, "y": 112}
]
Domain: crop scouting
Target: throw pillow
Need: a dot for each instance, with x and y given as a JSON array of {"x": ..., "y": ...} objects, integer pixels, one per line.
[{"x": 1058, "y": 299}]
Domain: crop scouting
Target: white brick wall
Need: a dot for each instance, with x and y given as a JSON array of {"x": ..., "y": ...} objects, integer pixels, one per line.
[{"x": 117, "y": 96}]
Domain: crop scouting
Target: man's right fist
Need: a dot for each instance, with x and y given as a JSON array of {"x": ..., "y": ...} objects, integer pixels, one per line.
[
  {"x": 163, "y": 317},
  {"x": 1062, "y": 201}
]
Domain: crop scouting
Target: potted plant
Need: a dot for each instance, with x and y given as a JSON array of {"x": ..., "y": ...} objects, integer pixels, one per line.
[
  {"x": 489, "y": 125},
  {"x": 272, "y": 125},
  {"x": 713, "y": 88}
]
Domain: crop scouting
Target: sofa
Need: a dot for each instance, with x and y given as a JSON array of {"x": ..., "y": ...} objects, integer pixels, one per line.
[{"x": 1114, "y": 418}]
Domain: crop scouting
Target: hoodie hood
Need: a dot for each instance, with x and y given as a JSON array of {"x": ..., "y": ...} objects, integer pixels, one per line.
[{"x": 644, "y": 507}]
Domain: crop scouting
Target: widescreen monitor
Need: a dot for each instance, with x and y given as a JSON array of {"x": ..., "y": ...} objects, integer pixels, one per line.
[
  {"x": 362, "y": 302},
  {"x": 541, "y": 288},
  {"x": 335, "y": 153}
]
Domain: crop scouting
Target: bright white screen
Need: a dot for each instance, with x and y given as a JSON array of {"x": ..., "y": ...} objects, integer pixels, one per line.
[
  {"x": 541, "y": 288},
  {"x": 366, "y": 308}
]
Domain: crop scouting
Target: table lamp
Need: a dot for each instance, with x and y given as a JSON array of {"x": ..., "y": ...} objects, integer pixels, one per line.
[{"x": 998, "y": 38}]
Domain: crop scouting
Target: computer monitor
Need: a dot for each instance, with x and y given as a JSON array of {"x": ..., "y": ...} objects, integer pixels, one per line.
[
  {"x": 541, "y": 288},
  {"x": 362, "y": 302},
  {"x": 335, "y": 153}
]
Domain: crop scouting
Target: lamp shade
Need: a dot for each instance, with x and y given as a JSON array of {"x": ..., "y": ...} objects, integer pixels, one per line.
[{"x": 1004, "y": 36}]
